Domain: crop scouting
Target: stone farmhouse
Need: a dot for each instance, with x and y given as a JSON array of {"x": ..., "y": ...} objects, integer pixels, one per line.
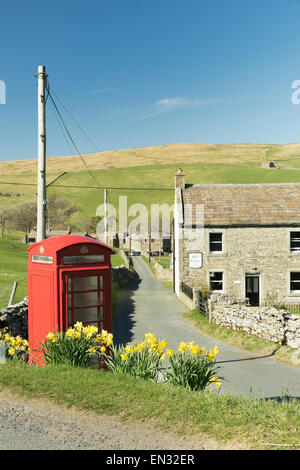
[{"x": 248, "y": 243}]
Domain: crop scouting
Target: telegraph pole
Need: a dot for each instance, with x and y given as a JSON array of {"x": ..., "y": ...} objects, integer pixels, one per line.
[
  {"x": 105, "y": 215},
  {"x": 41, "y": 196}
]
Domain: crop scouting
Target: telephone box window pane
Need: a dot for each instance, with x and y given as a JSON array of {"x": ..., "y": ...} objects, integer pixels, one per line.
[
  {"x": 86, "y": 314},
  {"x": 85, "y": 283},
  {"x": 101, "y": 297},
  {"x": 101, "y": 282},
  {"x": 83, "y": 259},
  {"x": 85, "y": 298},
  {"x": 70, "y": 317},
  {"x": 101, "y": 313}
]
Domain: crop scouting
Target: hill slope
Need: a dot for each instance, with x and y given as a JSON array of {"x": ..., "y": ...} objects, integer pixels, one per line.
[{"x": 150, "y": 170}]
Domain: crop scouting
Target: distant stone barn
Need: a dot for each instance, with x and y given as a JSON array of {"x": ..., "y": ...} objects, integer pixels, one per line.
[{"x": 248, "y": 243}]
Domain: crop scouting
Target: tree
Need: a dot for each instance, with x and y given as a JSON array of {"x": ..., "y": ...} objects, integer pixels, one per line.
[
  {"x": 24, "y": 217},
  {"x": 59, "y": 210}
]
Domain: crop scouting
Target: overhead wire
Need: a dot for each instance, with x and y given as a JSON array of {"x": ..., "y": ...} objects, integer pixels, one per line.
[
  {"x": 91, "y": 187},
  {"x": 68, "y": 133}
]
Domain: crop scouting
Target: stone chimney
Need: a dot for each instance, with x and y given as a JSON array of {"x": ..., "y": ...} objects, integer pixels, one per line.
[{"x": 180, "y": 179}]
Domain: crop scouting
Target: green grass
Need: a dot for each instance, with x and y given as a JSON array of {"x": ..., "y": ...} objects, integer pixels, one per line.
[
  {"x": 164, "y": 261},
  {"x": 13, "y": 267},
  {"x": 239, "y": 422},
  {"x": 117, "y": 260},
  {"x": 150, "y": 177},
  {"x": 240, "y": 339}
]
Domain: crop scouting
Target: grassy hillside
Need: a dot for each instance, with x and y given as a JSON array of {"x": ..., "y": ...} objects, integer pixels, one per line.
[{"x": 151, "y": 168}]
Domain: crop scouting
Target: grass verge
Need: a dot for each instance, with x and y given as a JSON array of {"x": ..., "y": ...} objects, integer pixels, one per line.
[
  {"x": 235, "y": 421},
  {"x": 240, "y": 339}
]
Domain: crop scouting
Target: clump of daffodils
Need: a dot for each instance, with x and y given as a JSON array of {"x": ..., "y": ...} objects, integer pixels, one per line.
[
  {"x": 141, "y": 360},
  {"x": 76, "y": 345},
  {"x": 190, "y": 366},
  {"x": 193, "y": 367},
  {"x": 16, "y": 347}
]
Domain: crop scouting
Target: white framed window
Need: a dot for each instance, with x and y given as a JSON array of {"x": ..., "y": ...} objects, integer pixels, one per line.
[
  {"x": 295, "y": 242},
  {"x": 216, "y": 281},
  {"x": 216, "y": 242},
  {"x": 295, "y": 281}
]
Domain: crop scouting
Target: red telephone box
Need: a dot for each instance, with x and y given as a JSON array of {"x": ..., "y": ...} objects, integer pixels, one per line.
[{"x": 69, "y": 280}]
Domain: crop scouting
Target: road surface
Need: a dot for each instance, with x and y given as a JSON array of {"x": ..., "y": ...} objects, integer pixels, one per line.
[{"x": 146, "y": 306}]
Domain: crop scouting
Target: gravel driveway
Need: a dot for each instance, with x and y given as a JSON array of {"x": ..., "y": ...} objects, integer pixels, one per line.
[{"x": 41, "y": 425}]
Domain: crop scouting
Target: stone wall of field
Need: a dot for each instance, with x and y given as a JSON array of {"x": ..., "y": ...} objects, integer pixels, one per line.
[
  {"x": 268, "y": 323},
  {"x": 162, "y": 273}
]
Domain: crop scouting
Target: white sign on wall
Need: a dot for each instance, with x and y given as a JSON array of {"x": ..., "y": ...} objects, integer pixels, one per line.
[{"x": 195, "y": 260}]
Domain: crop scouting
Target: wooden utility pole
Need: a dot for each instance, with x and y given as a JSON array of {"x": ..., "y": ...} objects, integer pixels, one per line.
[
  {"x": 105, "y": 216},
  {"x": 2, "y": 221},
  {"x": 41, "y": 195},
  {"x": 129, "y": 253},
  {"x": 173, "y": 252},
  {"x": 149, "y": 242}
]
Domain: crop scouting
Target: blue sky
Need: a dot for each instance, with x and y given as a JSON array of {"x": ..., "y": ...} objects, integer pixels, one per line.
[{"x": 148, "y": 72}]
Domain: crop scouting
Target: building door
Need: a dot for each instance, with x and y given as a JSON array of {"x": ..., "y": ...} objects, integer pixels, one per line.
[{"x": 252, "y": 289}]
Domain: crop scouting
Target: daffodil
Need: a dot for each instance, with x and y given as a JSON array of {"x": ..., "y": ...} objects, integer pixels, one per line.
[
  {"x": 78, "y": 325},
  {"x": 11, "y": 351},
  {"x": 92, "y": 350},
  {"x": 210, "y": 356},
  {"x": 194, "y": 349},
  {"x": 124, "y": 357},
  {"x": 51, "y": 337},
  {"x": 182, "y": 347},
  {"x": 7, "y": 338},
  {"x": 169, "y": 352}
]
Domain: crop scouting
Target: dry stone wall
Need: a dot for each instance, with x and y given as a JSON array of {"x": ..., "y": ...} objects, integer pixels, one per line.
[{"x": 268, "y": 323}]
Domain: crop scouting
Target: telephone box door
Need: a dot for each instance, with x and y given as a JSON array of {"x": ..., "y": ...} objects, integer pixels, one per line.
[{"x": 86, "y": 299}]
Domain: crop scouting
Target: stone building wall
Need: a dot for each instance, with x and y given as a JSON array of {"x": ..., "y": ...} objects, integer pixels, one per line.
[
  {"x": 268, "y": 323},
  {"x": 264, "y": 251}
]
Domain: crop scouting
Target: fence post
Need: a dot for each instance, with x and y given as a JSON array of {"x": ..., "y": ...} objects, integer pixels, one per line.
[
  {"x": 12, "y": 295},
  {"x": 2, "y": 353}
]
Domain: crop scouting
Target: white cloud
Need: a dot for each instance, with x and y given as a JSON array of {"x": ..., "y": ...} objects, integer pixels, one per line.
[
  {"x": 180, "y": 102},
  {"x": 103, "y": 90}
]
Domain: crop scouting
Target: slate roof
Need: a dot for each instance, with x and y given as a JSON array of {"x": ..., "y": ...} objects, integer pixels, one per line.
[{"x": 244, "y": 204}]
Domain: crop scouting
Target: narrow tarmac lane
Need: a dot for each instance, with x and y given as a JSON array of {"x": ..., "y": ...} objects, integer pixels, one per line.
[{"x": 147, "y": 306}]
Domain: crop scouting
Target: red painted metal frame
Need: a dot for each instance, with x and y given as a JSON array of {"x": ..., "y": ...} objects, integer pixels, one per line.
[{"x": 47, "y": 288}]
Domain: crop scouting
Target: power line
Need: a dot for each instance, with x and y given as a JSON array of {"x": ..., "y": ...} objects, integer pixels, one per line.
[
  {"x": 74, "y": 120},
  {"x": 68, "y": 133},
  {"x": 91, "y": 187}
]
